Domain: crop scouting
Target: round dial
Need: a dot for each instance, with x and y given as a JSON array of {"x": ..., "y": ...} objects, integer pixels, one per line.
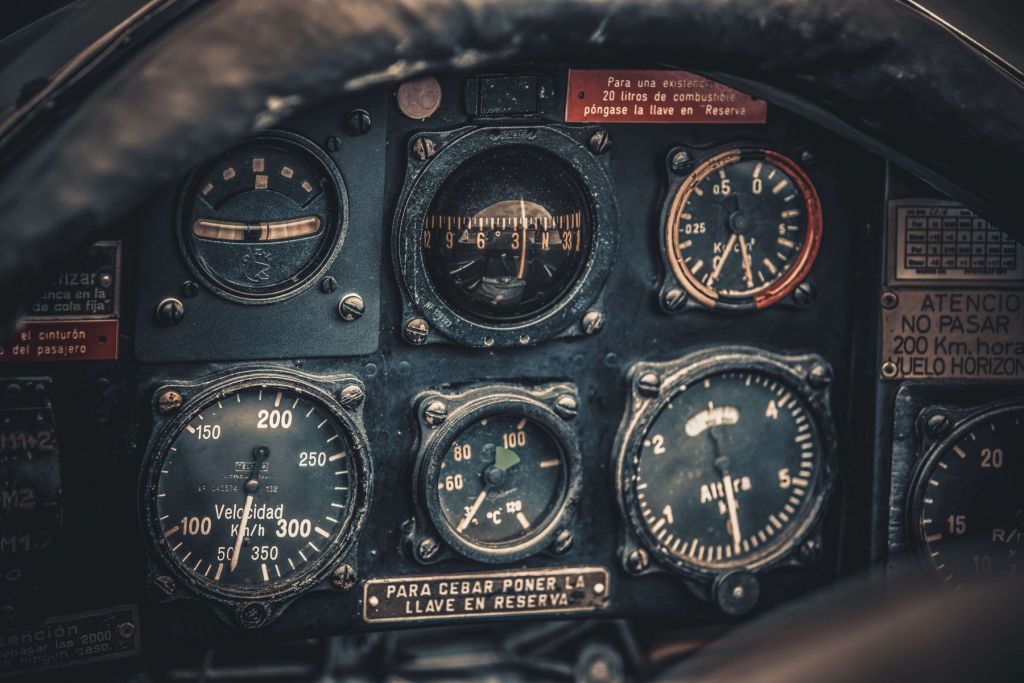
[
  {"x": 507, "y": 235},
  {"x": 727, "y": 473},
  {"x": 743, "y": 230},
  {"x": 968, "y": 503},
  {"x": 253, "y": 491},
  {"x": 262, "y": 220}
]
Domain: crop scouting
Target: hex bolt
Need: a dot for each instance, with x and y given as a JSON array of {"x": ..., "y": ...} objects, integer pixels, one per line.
[
  {"x": 427, "y": 549},
  {"x": 936, "y": 425},
  {"x": 736, "y": 593},
  {"x": 649, "y": 384},
  {"x": 592, "y": 322},
  {"x": 810, "y": 551},
  {"x": 126, "y": 630},
  {"x": 423, "y": 147},
  {"x": 567, "y": 406},
  {"x": 563, "y": 542},
  {"x": 805, "y": 294},
  {"x": 358, "y": 122},
  {"x": 344, "y": 577},
  {"x": 819, "y": 375},
  {"x": 189, "y": 289},
  {"x": 674, "y": 299},
  {"x": 637, "y": 561},
  {"x": 351, "y": 395},
  {"x": 435, "y": 413},
  {"x": 600, "y": 141},
  {"x": 416, "y": 331},
  {"x": 351, "y": 307},
  {"x": 169, "y": 401},
  {"x": 680, "y": 162},
  {"x": 889, "y": 299},
  {"x": 889, "y": 370},
  {"x": 328, "y": 285},
  {"x": 170, "y": 311}
]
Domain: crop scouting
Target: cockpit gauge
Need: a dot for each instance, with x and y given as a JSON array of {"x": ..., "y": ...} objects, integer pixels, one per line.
[
  {"x": 742, "y": 230},
  {"x": 726, "y": 461},
  {"x": 967, "y": 505},
  {"x": 504, "y": 236},
  {"x": 499, "y": 477},
  {"x": 260, "y": 222},
  {"x": 253, "y": 490}
]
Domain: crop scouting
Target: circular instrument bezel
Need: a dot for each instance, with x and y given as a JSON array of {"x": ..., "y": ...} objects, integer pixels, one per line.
[
  {"x": 764, "y": 295},
  {"x": 466, "y": 410},
  {"x": 200, "y": 395},
  {"x": 674, "y": 376},
  {"x": 425, "y": 178},
  {"x": 317, "y": 266},
  {"x": 969, "y": 422}
]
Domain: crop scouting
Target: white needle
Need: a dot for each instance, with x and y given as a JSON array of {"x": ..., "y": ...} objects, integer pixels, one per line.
[
  {"x": 471, "y": 513},
  {"x": 734, "y": 520},
  {"x": 721, "y": 262},
  {"x": 241, "y": 531},
  {"x": 522, "y": 256},
  {"x": 746, "y": 262}
]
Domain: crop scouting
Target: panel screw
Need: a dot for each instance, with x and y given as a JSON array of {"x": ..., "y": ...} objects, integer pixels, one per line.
[
  {"x": 374, "y": 601},
  {"x": 189, "y": 289},
  {"x": 344, "y": 577},
  {"x": 351, "y": 395},
  {"x": 169, "y": 401},
  {"x": 936, "y": 425},
  {"x": 810, "y": 551},
  {"x": 600, "y": 142},
  {"x": 566, "y": 406},
  {"x": 351, "y": 307},
  {"x": 680, "y": 162},
  {"x": 674, "y": 299},
  {"x": 416, "y": 331},
  {"x": 420, "y": 98},
  {"x": 328, "y": 285},
  {"x": 423, "y": 147},
  {"x": 805, "y": 294},
  {"x": 637, "y": 561},
  {"x": 106, "y": 279},
  {"x": 358, "y": 122},
  {"x": 162, "y": 587},
  {"x": 170, "y": 311},
  {"x": 889, "y": 299},
  {"x": 563, "y": 541},
  {"x": 126, "y": 630},
  {"x": 435, "y": 413},
  {"x": 333, "y": 143},
  {"x": 253, "y": 615},
  {"x": 649, "y": 384},
  {"x": 889, "y": 370},
  {"x": 592, "y": 322},
  {"x": 807, "y": 157},
  {"x": 736, "y": 592},
  {"x": 820, "y": 375},
  {"x": 427, "y": 549}
]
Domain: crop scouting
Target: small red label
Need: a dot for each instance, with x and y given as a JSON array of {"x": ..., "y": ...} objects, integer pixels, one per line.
[
  {"x": 60, "y": 340},
  {"x": 653, "y": 96}
]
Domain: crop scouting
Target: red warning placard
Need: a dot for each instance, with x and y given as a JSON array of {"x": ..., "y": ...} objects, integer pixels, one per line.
[
  {"x": 62, "y": 340},
  {"x": 656, "y": 96}
]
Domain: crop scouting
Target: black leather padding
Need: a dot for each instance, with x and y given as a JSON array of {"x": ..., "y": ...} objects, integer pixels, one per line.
[{"x": 880, "y": 68}]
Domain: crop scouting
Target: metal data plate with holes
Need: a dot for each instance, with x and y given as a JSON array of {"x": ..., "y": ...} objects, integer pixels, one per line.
[
  {"x": 70, "y": 640},
  {"x": 491, "y": 594}
]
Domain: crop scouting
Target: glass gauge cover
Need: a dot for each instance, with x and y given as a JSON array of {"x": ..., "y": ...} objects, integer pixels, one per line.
[
  {"x": 262, "y": 220},
  {"x": 728, "y": 471},
  {"x": 967, "y": 510},
  {"x": 254, "y": 491},
  {"x": 507, "y": 235},
  {"x": 743, "y": 230}
]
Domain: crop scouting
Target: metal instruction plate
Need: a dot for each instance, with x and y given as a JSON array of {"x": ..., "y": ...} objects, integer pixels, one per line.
[
  {"x": 529, "y": 591},
  {"x": 91, "y": 289},
  {"x": 70, "y": 640},
  {"x": 656, "y": 96},
  {"x": 940, "y": 242},
  {"x": 948, "y": 334}
]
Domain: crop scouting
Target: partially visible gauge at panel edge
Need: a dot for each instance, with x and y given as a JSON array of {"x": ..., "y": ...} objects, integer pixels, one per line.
[
  {"x": 743, "y": 230},
  {"x": 254, "y": 488},
  {"x": 967, "y": 506},
  {"x": 264, "y": 219},
  {"x": 727, "y": 469}
]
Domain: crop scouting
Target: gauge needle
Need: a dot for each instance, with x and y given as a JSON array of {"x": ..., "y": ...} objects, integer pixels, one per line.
[
  {"x": 522, "y": 255},
  {"x": 241, "y": 531},
  {"x": 734, "y": 519},
  {"x": 747, "y": 271},
  {"x": 471, "y": 513},
  {"x": 721, "y": 262}
]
